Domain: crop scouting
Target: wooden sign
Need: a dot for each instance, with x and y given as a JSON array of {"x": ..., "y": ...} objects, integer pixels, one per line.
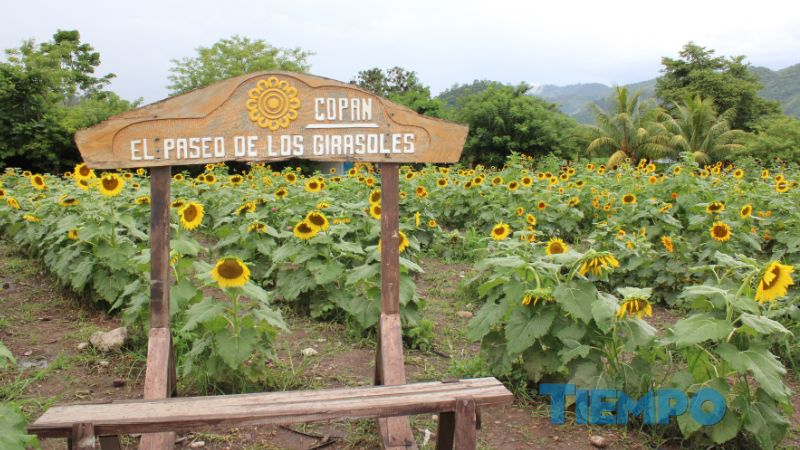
[{"x": 270, "y": 116}]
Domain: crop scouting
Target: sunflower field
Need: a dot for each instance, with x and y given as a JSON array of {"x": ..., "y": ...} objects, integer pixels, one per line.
[{"x": 569, "y": 261}]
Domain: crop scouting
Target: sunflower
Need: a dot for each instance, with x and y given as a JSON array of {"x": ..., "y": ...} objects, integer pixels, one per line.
[
  {"x": 281, "y": 193},
  {"x": 432, "y": 223},
  {"x": 230, "y": 272},
  {"x": 178, "y": 177},
  {"x": 629, "y": 199},
  {"x": 191, "y": 215},
  {"x": 210, "y": 179},
  {"x": 375, "y": 211},
  {"x": 520, "y": 211},
  {"x": 82, "y": 172},
  {"x": 256, "y": 227},
  {"x": 596, "y": 263},
  {"x": 2, "y": 192},
  {"x": 738, "y": 173},
  {"x": 746, "y": 211},
  {"x": 653, "y": 179},
  {"x": 323, "y": 205},
  {"x": 68, "y": 201},
  {"x": 246, "y": 207},
  {"x": 178, "y": 203},
  {"x": 369, "y": 181},
  {"x": 38, "y": 182},
  {"x": 291, "y": 177},
  {"x": 441, "y": 182},
  {"x": 30, "y": 218},
  {"x": 513, "y": 186},
  {"x": 500, "y": 231},
  {"x": 715, "y": 207},
  {"x": 143, "y": 200},
  {"x": 639, "y": 307},
  {"x": 404, "y": 243},
  {"x": 375, "y": 197},
  {"x": 477, "y": 180},
  {"x": 574, "y": 201},
  {"x": 720, "y": 231},
  {"x": 781, "y": 186},
  {"x": 556, "y": 246},
  {"x": 541, "y": 205},
  {"x": 421, "y": 192},
  {"x": 127, "y": 175},
  {"x": 530, "y": 219},
  {"x": 12, "y": 202},
  {"x": 409, "y": 175},
  {"x": 677, "y": 170},
  {"x": 303, "y": 230},
  {"x": 774, "y": 282},
  {"x": 140, "y": 172},
  {"x": 666, "y": 241},
  {"x": 317, "y": 220},
  {"x": 110, "y": 184},
  {"x": 497, "y": 180},
  {"x": 72, "y": 235},
  {"x": 236, "y": 180},
  {"x": 313, "y": 185},
  {"x": 352, "y": 172}
]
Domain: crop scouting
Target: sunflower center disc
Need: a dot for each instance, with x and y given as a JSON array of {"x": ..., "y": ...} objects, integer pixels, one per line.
[{"x": 230, "y": 269}]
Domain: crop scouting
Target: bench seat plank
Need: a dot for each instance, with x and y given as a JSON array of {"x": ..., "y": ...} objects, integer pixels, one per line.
[{"x": 191, "y": 413}]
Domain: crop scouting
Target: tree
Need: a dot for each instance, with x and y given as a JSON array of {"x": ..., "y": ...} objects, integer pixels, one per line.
[
  {"x": 48, "y": 92},
  {"x": 728, "y": 81},
  {"x": 230, "y": 58},
  {"x": 775, "y": 136},
  {"x": 696, "y": 128},
  {"x": 628, "y": 131},
  {"x": 400, "y": 86},
  {"x": 504, "y": 118}
]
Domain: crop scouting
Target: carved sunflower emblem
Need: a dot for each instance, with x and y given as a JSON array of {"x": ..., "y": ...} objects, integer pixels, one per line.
[{"x": 273, "y": 103}]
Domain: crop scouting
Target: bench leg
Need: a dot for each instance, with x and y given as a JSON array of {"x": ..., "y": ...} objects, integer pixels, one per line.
[
  {"x": 444, "y": 435},
  {"x": 466, "y": 429}
]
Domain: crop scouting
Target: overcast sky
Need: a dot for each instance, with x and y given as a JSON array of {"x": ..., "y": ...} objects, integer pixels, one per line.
[{"x": 445, "y": 42}]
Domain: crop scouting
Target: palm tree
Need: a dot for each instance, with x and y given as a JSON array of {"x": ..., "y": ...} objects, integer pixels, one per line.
[
  {"x": 696, "y": 128},
  {"x": 629, "y": 130}
]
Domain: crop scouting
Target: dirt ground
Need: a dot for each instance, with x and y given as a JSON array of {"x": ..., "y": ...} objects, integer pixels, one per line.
[{"x": 43, "y": 324}]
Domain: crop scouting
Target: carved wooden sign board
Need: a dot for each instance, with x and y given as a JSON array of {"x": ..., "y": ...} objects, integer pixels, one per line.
[{"x": 270, "y": 116}]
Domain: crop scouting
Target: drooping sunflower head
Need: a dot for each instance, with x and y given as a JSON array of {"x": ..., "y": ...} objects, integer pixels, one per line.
[
  {"x": 597, "y": 263},
  {"x": 38, "y": 182},
  {"x": 30, "y": 218},
  {"x": 68, "y": 201},
  {"x": 230, "y": 272},
  {"x": 12, "y": 202},
  {"x": 666, "y": 241},
  {"x": 635, "y": 307},
  {"x": 520, "y": 211},
  {"x": 530, "y": 219},
  {"x": 110, "y": 184},
  {"x": 178, "y": 203},
  {"x": 556, "y": 246},
  {"x": 246, "y": 207},
  {"x": 404, "y": 243},
  {"x": 715, "y": 207},
  {"x": 256, "y": 227},
  {"x": 316, "y": 219},
  {"x": 774, "y": 282},
  {"x": 574, "y": 201},
  {"x": 191, "y": 215},
  {"x": 304, "y": 231},
  {"x": 500, "y": 231},
  {"x": 72, "y": 235},
  {"x": 720, "y": 231},
  {"x": 746, "y": 211}
]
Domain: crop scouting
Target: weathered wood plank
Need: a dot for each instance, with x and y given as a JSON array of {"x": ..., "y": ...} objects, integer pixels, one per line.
[
  {"x": 157, "y": 382},
  {"x": 466, "y": 434},
  {"x": 160, "y": 178},
  {"x": 183, "y": 414},
  {"x": 390, "y": 239},
  {"x": 276, "y": 109}
]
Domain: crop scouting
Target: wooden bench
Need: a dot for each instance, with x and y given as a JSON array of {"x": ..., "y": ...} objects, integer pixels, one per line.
[{"x": 457, "y": 403}]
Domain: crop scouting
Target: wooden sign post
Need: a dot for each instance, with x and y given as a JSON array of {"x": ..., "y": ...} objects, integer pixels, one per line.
[{"x": 272, "y": 116}]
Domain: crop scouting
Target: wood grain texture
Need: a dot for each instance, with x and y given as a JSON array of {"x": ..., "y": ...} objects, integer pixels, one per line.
[
  {"x": 159, "y": 375},
  {"x": 222, "y": 110},
  {"x": 192, "y": 413},
  {"x": 160, "y": 178},
  {"x": 83, "y": 437},
  {"x": 466, "y": 434},
  {"x": 390, "y": 239}
]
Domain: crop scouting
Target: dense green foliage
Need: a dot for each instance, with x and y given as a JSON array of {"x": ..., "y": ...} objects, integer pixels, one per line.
[
  {"x": 728, "y": 81},
  {"x": 774, "y": 137},
  {"x": 401, "y": 86},
  {"x": 232, "y": 57},
  {"x": 48, "y": 91},
  {"x": 504, "y": 118}
]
